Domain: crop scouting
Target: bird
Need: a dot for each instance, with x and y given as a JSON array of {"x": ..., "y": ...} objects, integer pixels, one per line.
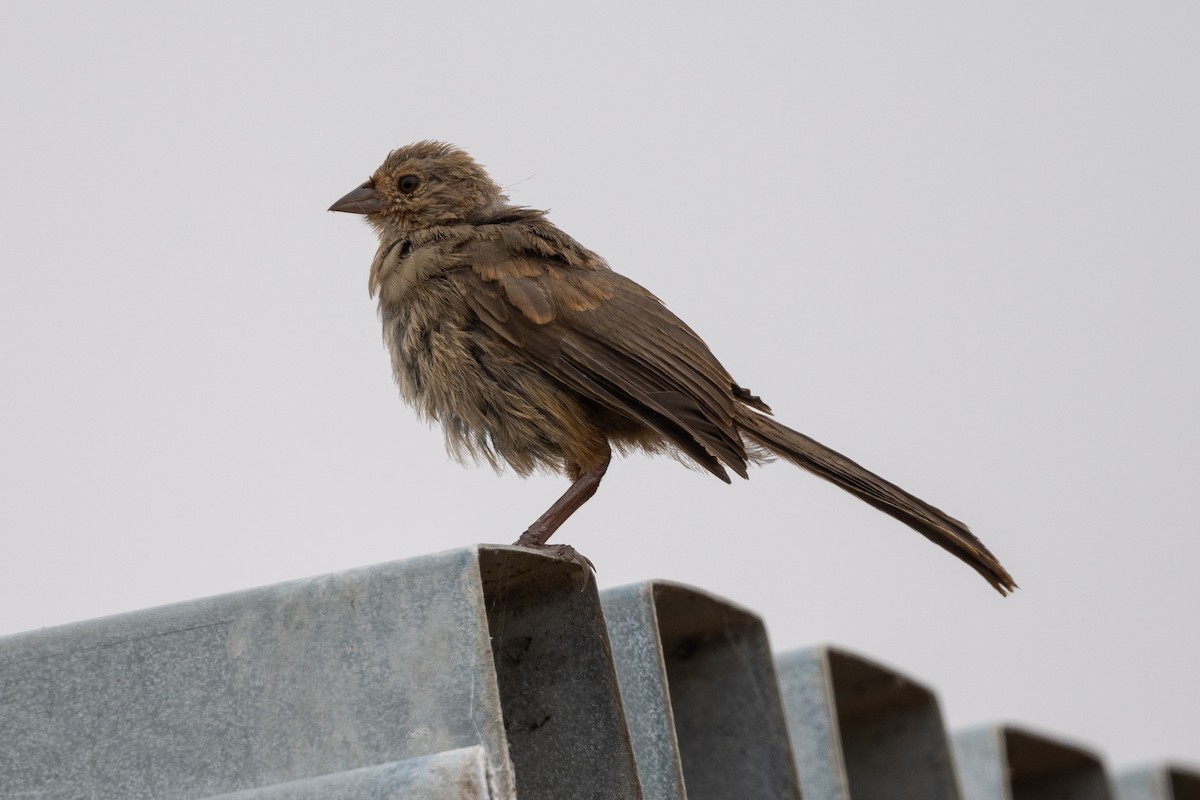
[{"x": 532, "y": 352}]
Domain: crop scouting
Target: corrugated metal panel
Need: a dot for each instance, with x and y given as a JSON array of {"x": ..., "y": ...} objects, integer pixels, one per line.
[
  {"x": 562, "y": 714},
  {"x": 1159, "y": 782},
  {"x": 496, "y": 647},
  {"x": 493, "y": 672},
  {"x": 701, "y": 695},
  {"x": 863, "y": 730},
  {"x": 1001, "y": 762}
]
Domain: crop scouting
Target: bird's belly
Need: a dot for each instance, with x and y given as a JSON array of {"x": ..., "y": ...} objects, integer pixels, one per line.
[{"x": 492, "y": 401}]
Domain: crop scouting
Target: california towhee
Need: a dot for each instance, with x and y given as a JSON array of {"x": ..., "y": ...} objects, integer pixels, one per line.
[{"x": 530, "y": 350}]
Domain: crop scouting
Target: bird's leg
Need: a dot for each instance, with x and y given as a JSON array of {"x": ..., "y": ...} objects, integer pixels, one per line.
[{"x": 576, "y": 495}]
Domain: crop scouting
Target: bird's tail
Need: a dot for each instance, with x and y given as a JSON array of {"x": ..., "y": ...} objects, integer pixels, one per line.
[{"x": 940, "y": 528}]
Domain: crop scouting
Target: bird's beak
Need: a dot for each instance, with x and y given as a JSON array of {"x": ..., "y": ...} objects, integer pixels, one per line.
[{"x": 362, "y": 200}]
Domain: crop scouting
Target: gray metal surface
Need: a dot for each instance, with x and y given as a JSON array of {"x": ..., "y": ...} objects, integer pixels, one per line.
[
  {"x": 454, "y": 775},
  {"x": 558, "y": 688},
  {"x": 1158, "y": 782},
  {"x": 487, "y": 673},
  {"x": 861, "y": 730},
  {"x": 321, "y": 676},
  {"x": 1000, "y": 762},
  {"x": 700, "y": 694}
]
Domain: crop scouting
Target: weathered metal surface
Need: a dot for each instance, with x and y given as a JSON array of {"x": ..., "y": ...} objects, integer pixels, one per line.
[
  {"x": 454, "y": 775},
  {"x": 321, "y": 676},
  {"x": 700, "y": 693},
  {"x": 1001, "y": 762},
  {"x": 562, "y": 709},
  {"x": 861, "y": 730},
  {"x": 487, "y": 673},
  {"x": 1158, "y": 782}
]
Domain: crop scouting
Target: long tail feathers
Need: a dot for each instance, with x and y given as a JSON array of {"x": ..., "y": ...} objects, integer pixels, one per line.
[{"x": 940, "y": 528}]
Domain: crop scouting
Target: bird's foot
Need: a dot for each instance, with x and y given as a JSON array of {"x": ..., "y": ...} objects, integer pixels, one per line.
[{"x": 562, "y": 552}]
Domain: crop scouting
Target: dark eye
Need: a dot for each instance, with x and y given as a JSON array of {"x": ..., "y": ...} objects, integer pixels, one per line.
[{"x": 408, "y": 183}]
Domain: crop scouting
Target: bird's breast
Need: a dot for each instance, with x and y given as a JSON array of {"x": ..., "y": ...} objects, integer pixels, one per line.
[
  {"x": 420, "y": 328},
  {"x": 492, "y": 400},
  {"x": 401, "y": 265}
]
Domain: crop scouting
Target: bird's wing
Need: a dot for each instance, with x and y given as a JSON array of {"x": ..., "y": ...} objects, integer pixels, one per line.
[{"x": 601, "y": 335}]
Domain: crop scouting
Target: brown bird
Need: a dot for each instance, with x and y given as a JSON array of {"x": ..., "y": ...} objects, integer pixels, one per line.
[{"x": 530, "y": 350}]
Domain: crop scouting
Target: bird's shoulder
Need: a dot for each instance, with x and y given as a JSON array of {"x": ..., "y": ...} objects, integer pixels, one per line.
[{"x": 518, "y": 261}]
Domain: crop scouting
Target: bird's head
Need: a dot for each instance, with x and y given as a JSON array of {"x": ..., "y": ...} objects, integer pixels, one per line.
[{"x": 423, "y": 185}]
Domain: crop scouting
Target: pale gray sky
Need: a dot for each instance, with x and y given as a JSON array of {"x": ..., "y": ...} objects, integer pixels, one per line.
[{"x": 959, "y": 244}]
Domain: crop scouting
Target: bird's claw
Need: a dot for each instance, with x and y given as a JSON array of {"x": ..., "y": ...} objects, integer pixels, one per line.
[{"x": 564, "y": 552}]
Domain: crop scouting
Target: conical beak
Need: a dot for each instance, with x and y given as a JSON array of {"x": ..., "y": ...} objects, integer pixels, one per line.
[{"x": 362, "y": 200}]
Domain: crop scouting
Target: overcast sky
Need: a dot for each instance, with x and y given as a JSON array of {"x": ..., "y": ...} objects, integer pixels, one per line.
[{"x": 958, "y": 244}]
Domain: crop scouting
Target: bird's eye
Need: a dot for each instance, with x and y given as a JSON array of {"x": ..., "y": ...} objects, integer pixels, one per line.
[{"x": 408, "y": 183}]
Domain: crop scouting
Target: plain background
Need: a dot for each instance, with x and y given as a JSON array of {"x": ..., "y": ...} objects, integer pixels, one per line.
[{"x": 958, "y": 243}]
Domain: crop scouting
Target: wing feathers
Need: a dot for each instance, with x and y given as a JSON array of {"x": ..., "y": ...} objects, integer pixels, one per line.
[{"x": 636, "y": 358}]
